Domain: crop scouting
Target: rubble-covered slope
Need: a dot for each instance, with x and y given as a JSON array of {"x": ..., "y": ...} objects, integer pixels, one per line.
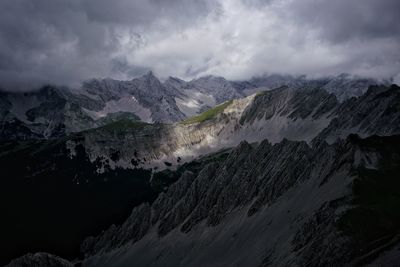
[
  {"x": 229, "y": 198},
  {"x": 52, "y": 111},
  {"x": 273, "y": 115},
  {"x": 375, "y": 112},
  {"x": 274, "y": 204},
  {"x": 55, "y": 111}
]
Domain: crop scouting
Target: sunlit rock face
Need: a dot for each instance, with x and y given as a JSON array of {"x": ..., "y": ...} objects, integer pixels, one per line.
[
  {"x": 277, "y": 171},
  {"x": 296, "y": 201},
  {"x": 52, "y": 111},
  {"x": 295, "y": 114}
]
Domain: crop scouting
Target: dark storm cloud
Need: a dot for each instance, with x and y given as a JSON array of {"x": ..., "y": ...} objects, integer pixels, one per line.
[
  {"x": 67, "y": 41},
  {"x": 60, "y": 41},
  {"x": 342, "y": 20}
]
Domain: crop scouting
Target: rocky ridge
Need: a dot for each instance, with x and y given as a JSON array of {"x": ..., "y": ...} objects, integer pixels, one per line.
[
  {"x": 291, "y": 208},
  {"x": 273, "y": 115},
  {"x": 52, "y": 111},
  {"x": 296, "y": 196}
]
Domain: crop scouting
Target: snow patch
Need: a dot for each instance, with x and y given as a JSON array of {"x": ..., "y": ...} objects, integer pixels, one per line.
[{"x": 124, "y": 104}]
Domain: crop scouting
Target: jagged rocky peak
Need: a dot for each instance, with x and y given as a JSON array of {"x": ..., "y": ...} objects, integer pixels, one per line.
[
  {"x": 115, "y": 88},
  {"x": 55, "y": 111},
  {"x": 145, "y": 95},
  {"x": 33, "y": 114},
  {"x": 216, "y": 86},
  {"x": 273, "y": 81},
  {"x": 107, "y": 89},
  {"x": 175, "y": 86},
  {"x": 345, "y": 85},
  {"x": 342, "y": 86},
  {"x": 174, "y": 82},
  {"x": 295, "y": 114},
  {"x": 375, "y": 112},
  {"x": 292, "y": 201},
  {"x": 149, "y": 80},
  {"x": 290, "y": 196}
]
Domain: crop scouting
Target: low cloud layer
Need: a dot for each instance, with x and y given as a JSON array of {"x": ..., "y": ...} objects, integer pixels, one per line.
[{"x": 67, "y": 41}]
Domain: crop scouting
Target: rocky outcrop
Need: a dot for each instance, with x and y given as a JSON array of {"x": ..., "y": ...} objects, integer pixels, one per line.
[
  {"x": 375, "y": 112},
  {"x": 288, "y": 198},
  {"x": 299, "y": 115},
  {"x": 52, "y": 111},
  {"x": 40, "y": 260},
  {"x": 270, "y": 204},
  {"x": 343, "y": 86},
  {"x": 295, "y": 114}
]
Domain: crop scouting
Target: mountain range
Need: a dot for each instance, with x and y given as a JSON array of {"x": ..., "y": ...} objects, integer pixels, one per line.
[
  {"x": 54, "y": 111},
  {"x": 274, "y": 171}
]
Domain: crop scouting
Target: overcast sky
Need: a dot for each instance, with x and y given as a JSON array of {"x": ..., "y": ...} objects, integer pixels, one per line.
[{"x": 67, "y": 41}]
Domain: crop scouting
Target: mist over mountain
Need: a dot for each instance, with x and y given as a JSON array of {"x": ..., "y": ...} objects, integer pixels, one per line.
[
  {"x": 55, "y": 111},
  {"x": 199, "y": 133},
  {"x": 67, "y": 42},
  {"x": 126, "y": 161}
]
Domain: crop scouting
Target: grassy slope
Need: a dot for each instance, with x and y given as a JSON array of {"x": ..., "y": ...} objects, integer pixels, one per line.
[{"x": 209, "y": 114}]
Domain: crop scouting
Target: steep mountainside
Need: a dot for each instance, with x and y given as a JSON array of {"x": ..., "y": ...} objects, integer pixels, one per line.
[
  {"x": 302, "y": 185},
  {"x": 287, "y": 203},
  {"x": 273, "y": 115},
  {"x": 377, "y": 111},
  {"x": 51, "y": 201},
  {"x": 197, "y": 95},
  {"x": 270, "y": 205},
  {"x": 52, "y": 112},
  {"x": 342, "y": 86},
  {"x": 145, "y": 96}
]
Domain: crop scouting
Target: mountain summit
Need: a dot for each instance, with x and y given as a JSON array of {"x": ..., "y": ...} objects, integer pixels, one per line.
[
  {"x": 293, "y": 173},
  {"x": 55, "y": 111}
]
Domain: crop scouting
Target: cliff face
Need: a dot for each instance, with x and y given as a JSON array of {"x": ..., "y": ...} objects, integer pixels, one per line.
[
  {"x": 52, "y": 112},
  {"x": 273, "y": 115},
  {"x": 294, "y": 188},
  {"x": 274, "y": 204},
  {"x": 375, "y": 112},
  {"x": 295, "y": 203}
]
